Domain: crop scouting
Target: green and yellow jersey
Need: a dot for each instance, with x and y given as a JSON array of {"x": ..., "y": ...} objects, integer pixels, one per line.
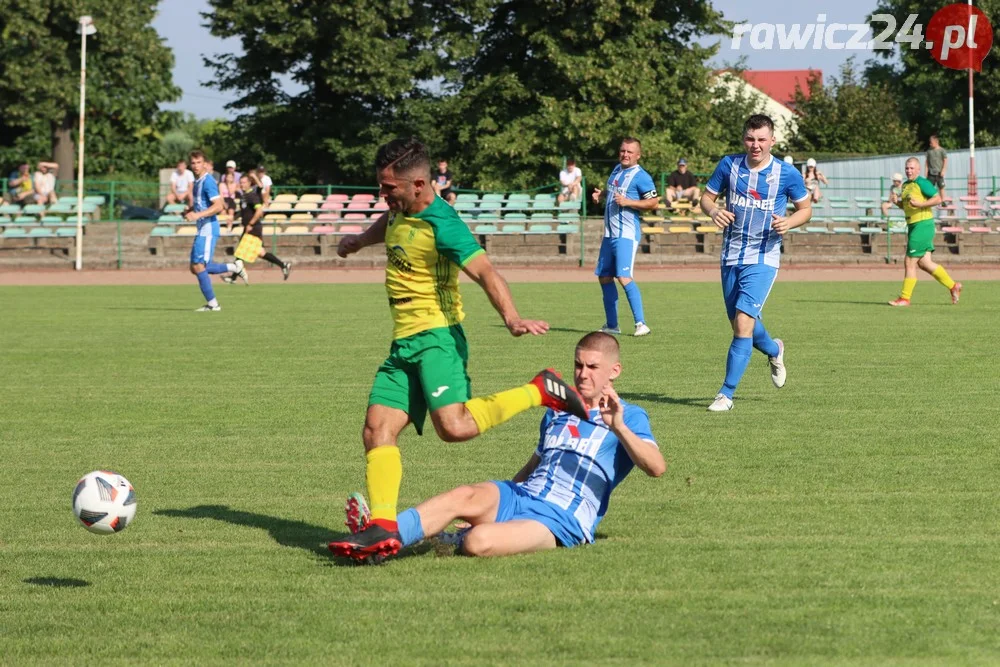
[
  {"x": 425, "y": 252},
  {"x": 917, "y": 190}
]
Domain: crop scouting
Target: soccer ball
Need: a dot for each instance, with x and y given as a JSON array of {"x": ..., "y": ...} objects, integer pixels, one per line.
[{"x": 104, "y": 502}]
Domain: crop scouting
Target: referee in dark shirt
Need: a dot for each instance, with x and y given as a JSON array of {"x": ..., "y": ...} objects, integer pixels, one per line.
[{"x": 250, "y": 204}]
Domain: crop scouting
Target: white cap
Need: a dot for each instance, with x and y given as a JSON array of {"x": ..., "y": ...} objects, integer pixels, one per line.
[
  {"x": 231, "y": 163},
  {"x": 789, "y": 159},
  {"x": 811, "y": 162},
  {"x": 897, "y": 176}
]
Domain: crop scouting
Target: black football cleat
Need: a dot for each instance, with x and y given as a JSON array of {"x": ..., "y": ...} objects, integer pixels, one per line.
[{"x": 373, "y": 545}]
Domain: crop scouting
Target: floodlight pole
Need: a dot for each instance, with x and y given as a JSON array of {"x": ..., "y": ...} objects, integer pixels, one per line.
[{"x": 86, "y": 28}]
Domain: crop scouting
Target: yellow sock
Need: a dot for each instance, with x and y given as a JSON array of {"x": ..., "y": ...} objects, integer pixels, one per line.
[
  {"x": 908, "y": 285},
  {"x": 384, "y": 474},
  {"x": 493, "y": 410},
  {"x": 942, "y": 277}
]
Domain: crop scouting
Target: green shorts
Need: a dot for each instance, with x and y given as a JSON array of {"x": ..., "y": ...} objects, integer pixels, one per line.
[
  {"x": 920, "y": 238},
  {"x": 424, "y": 371}
]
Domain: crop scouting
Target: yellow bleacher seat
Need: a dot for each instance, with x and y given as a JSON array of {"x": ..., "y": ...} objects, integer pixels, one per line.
[
  {"x": 313, "y": 198},
  {"x": 296, "y": 229},
  {"x": 286, "y": 198},
  {"x": 301, "y": 217},
  {"x": 186, "y": 230},
  {"x": 707, "y": 229},
  {"x": 306, "y": 205},
  {"x": 652, "y": 230},
  {"x": 680, "y": 229},
  {"x": 275, "y": 217}
]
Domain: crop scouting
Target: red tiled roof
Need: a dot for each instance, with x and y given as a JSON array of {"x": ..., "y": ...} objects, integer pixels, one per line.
[{"x": 780, "y": 84}]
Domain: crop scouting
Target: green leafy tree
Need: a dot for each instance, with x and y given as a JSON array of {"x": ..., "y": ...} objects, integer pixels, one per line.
[
  {"x": 932, "y": 98},
  {"x": 128, "y": 75},
  {"x": 848, "y": 115}
]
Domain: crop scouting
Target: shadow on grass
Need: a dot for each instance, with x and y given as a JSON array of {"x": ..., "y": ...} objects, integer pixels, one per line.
[
  {"x": 57, "y": 582},
  {"x": 881, "y": 304},
  {"x": 285, "y": 532},
  {"x": 176, "y": 310}
]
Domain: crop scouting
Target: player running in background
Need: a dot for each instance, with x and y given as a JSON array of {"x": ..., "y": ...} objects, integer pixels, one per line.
[
  {"x": 630, "y": 190},
  {"x": 919, "y": 196},
  {"x": 427, "y": 244},
  {"x": 250, "y": 204},
  {"x": 561, "y": 494},
  {"x": 207, "y": 205},
  {"x": 758, "y": 188}
]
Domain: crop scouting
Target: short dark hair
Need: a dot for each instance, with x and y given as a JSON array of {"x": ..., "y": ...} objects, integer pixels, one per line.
[
  {"x": 196, "y": 153},
  {"x": 758, "y": 121},
  {"x": 632, "y": 140},
  {"x": 598, "y": 341},
  {"x": 404, "y": 155}
]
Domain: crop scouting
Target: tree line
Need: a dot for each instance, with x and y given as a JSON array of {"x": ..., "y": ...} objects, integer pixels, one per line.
[{"x": 501, "y": 88}]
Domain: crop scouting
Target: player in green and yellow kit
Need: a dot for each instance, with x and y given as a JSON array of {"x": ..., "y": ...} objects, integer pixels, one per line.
[
  {"x": 427, "y": 244},
  {"x": 917, "y": 199}
]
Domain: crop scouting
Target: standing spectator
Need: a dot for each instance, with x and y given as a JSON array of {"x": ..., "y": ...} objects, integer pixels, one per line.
[
  {"x": 895, "y": 190},
  {"x": 571, "y": 179},
  {"x": 20, "y": 189},
  {"x": 229, "y": 189},
  {"x": 682, "y": 184},
  {"x": 813, "y": 177},
  {"x": 265, "y": 183},
  {"x": 442, "y": 183},
  {"x": 630, "y": 191},
  {"x": 45, "y": 183},
  {"x": 936, "y": 163},
  {"x": 918, "y": 199},
  {"x": 181, "y": 181}
]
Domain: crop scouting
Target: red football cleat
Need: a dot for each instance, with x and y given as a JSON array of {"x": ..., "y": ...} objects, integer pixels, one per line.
[
  {"x": 558, "y": 395},
  {"x": 900, "y": 302}
]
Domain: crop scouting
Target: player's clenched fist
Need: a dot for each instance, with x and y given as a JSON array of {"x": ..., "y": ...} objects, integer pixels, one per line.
[{"x": 349, "y": 245}]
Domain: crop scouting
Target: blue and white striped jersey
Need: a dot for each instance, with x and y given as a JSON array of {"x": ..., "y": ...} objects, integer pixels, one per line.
[
  {"x": 582, "y": 462},
  {"x": 754, "y": 196},
  {"x": 635, "y": 183},
  {"x": 205, "y": 190}
]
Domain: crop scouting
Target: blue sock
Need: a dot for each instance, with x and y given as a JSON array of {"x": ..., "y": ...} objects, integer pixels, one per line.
[
  {"x": 635, "y": 301},
  {"x": 215, "y": 267},
  {"x": 610, "y": 292},
  {"x": 736, "y": 364},
  {"x": 410, "y": 529},
  {"x": 763, "y": 341},
  {"x": 205, "y": 283}
]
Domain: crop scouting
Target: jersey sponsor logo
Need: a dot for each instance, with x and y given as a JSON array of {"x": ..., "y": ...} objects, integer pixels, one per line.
[
  {"x": 754, "y": 194},
  {"x": 584, "y": 446},
  {"x": 440, "y": 390},
  {"x": 740, "y": 201},
  {"x": 396, "y": 256}
]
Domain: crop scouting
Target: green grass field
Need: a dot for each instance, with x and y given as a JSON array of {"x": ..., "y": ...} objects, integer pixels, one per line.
[{"x": 851, "y": 517}]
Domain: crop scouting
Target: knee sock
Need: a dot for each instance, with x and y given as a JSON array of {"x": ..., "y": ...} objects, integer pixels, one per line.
[
  {"x": 270, "y": 257},
  {"x": 736, "y": 364},
  {"x": 610, "y": 292},
  {"x": 763, "y": 341},
  {"x": 493, "y": 410},
  {"x": 384, "y": 474},
  {"x": 635, "y": 301},
  {"x": 205, "y": 283},
  {"x": 411, "y": 530},
  {"x": 216, "y": 267},
  {"x": 908, "y": 285},
  {"x": 942, "y": 277}
]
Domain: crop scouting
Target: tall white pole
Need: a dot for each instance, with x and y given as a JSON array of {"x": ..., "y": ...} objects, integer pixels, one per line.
[
  {"x": 86, "y": 27},
  {"x": 972, "y": 123}
]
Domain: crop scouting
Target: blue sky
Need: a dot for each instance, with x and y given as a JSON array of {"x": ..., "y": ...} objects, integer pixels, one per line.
[{"x": 180, "y": 24}]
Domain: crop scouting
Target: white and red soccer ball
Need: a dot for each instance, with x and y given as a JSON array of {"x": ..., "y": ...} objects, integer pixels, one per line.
[{"x": 104, "y": 502}]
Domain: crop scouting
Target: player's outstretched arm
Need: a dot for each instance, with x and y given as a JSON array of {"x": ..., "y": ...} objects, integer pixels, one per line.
[
  {"x": 645, "y": 455},
  {"x": 486, "y": 276},
  {"x": 352, "y": 243}
]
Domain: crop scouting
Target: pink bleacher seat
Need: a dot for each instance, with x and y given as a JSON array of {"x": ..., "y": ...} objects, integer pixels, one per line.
[
  {"x": 324, "y": 229},
  {"x": 355, "y": 216},
  {"x": 332, "y": 205},
  {"x": 328, "y": 217},
  {"x": 952, "y": 230},
  {"x": 980, "y": 230},
  {"x": 977, "y": 217},
  {"x": 357, "y": 206},
  {"x": 969, "y": 198},
  {"x": 380, "y": 205},
  {"x": 337, "y": 197},
  {"x": 363, "y": 196},
  {"x": 350, "y": 229}
]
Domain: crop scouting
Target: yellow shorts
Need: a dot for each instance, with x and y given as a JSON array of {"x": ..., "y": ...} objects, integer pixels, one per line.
[{"x": 249, "y": 248}]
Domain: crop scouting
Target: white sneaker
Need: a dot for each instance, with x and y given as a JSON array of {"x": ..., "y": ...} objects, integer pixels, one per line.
[
  {"x": 286, "y": 269},
  {"x": 608, "y": 330},
  {"x": 722, "y": 403},
  {"x": 778, "y": 365},
  {"x": 242, "y": 273},
  {"x": 207, "y": 309},
  {"x": 641, "y": 329}
]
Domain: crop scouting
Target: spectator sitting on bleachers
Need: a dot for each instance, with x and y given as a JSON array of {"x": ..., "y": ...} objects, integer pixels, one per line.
[
  {"x": 45, "y": 183},
  {"x": 265, "y": 183},
  {"x": 813, "y": 177},
  {"x": 442, "y": 183},
  {"x": 896, "y": 189},
  {"x": 788, "y": 159},
  {"x": 570, "y": 178},
  {"x": 228, "y": 187},
  {"x": 20, "y": 188},
  {"x": 682, "y": 184},
  {"x": 231, "y": 169},
  {"x": 211, "y": 170},
  {"x": 181, "y": 181}
]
